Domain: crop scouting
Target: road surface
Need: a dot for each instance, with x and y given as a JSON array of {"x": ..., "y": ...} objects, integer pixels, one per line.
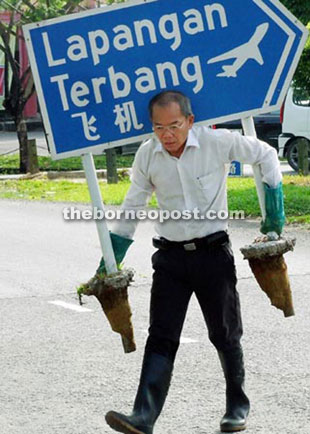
[{"x": 62, "y": 368}]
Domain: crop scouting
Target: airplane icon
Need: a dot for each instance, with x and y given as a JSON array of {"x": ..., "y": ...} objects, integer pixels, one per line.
[{"x": 243, "y": 53}]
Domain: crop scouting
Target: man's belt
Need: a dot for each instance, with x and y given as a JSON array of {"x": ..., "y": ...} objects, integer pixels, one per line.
[{"x": 213, "y": 240}]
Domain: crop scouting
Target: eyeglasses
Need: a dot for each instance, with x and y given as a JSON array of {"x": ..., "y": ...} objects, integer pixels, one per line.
[{"x": 160, "y": 129}]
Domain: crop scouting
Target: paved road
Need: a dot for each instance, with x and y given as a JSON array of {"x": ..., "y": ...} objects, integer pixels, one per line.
[
  {"x": 9, "y": 143},
  {"x": 62, "y": 369}
]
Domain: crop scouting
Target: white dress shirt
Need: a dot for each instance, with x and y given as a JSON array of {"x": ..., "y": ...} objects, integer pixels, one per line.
[{"x": 195, "y": 180}]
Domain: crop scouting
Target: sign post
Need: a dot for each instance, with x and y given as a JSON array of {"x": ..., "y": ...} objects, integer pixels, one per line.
[{"x": 102, "y": 228}]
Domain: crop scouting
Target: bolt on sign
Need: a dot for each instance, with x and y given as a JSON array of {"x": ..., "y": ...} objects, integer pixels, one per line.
[{"x": 95, "y": 71}]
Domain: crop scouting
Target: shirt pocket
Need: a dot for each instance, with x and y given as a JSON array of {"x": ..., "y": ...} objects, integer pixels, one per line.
[
  {"x": 205, "y": 181},
  {"x": 206, "y": 185}
]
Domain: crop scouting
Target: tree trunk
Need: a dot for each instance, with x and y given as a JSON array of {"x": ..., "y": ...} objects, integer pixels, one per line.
[
  {"x": 28, "y": 159},
  {"x": 303, "y": 161}
]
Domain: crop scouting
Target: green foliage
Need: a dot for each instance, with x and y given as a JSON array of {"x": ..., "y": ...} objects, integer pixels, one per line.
[
  {"x": 302, "y": 75},
  {"x": 43, "y": 9},
  {"x": 301, "y": 9},
  {"x": 80, "y": 290},
  {"x": 110, "y": 2},
  {"x": 9, "y": 164}
]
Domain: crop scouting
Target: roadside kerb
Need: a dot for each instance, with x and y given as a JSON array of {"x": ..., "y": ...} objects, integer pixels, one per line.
[
  {"x": 72, "y": 174},
  {"x": 125, "y": 171}
]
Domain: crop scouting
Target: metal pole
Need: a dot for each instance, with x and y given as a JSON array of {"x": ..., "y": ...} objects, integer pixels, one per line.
[
  {"x": 249, "y": 130},
  {"x": 102, "y": 228}
]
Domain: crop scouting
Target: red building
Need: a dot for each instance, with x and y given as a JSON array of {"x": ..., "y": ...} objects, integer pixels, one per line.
[{"x": 31, "y": 107}]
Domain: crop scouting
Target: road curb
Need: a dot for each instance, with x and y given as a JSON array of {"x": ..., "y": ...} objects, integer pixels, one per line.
[{"x": 74, "y": 174}]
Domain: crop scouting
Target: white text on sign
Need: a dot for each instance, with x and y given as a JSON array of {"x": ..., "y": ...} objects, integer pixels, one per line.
[{"x": 169, "y": 27}]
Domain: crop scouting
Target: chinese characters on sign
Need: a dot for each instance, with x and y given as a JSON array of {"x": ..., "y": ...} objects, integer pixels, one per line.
[{"x": 126, "y": 117}]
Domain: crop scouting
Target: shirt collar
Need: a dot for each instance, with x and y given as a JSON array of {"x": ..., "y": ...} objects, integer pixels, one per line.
[{"x": 191, "y": 142}]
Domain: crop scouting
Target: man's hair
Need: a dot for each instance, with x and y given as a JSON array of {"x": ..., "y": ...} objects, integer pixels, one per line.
[{"x": 168, "y": 96}]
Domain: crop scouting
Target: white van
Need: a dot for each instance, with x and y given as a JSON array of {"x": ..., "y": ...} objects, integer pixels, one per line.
[{"x": 295, "y": 118}]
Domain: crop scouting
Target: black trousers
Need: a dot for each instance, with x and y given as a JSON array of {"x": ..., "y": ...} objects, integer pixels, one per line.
[{"x": 210, "y": 273}]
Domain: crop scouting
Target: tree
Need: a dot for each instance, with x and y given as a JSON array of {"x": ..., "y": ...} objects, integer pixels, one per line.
[
  {"x": 301, "y": 9},
  {"x": 21, "y": 87},
  {"x": 302, "y": 75}
]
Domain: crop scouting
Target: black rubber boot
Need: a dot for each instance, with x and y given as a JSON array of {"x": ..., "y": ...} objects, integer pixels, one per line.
[
  {"x": 237, "y": 403},
  {"x": 153, "y": 388}
]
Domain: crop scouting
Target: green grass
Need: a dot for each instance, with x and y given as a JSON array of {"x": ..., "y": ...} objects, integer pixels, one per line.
[
  {"x": 60, "y": 190},
  {"x": 297, "y": 198},
  {"x": 241, "y": 194},
  {"x": 296, "y": 189},
  {"x": 63, "y": 191},
  {"x": 9, "y": 164}
]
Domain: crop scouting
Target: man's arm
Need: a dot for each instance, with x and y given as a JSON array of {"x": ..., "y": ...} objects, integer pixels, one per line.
[
  {"x": 138, "y": 194},
  {"x": 250, "y": 150},
  {"x": 136, "y": 198}
]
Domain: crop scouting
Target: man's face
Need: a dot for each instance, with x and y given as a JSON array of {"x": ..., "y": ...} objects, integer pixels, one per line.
[{"x": 171, "y": 127}]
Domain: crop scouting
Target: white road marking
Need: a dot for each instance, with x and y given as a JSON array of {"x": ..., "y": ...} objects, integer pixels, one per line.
[{"x": 74, "y": 307}]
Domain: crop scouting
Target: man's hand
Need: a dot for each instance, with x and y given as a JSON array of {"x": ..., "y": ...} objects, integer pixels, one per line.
[
  {"x": 120, "y": 246},
  {"x": 275, "y": 217}
]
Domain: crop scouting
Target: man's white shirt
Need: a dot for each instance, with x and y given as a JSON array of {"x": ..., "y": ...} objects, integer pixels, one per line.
[{"x": 196, "y": 180}]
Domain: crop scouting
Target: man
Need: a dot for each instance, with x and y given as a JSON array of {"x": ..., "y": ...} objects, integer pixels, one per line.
[{"x": 187, "y": 167}]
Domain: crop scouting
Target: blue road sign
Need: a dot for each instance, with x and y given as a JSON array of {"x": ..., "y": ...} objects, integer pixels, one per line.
[
  {"x": 96, "y": 71},
  {"x": 235, "y": 169}
]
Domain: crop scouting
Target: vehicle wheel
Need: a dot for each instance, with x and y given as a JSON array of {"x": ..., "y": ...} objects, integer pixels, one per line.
[{"x": 292, "y": 154}]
